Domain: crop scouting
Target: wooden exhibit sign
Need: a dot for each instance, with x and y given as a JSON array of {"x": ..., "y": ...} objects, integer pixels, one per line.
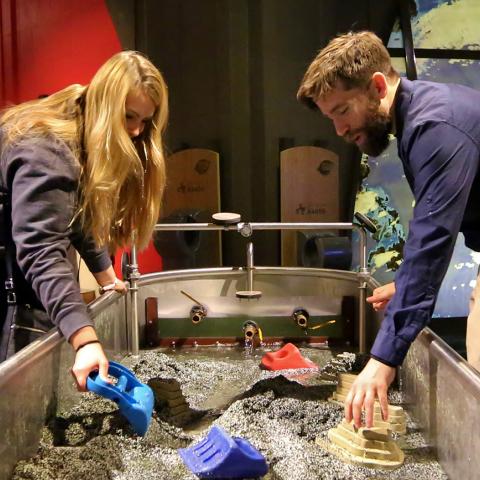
[
  {"x": 192, "y": 195},
  {"x": 309, "y": 192}
]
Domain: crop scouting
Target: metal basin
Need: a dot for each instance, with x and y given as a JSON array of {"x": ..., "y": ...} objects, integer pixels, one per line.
[{"x": 35, "y": 383}]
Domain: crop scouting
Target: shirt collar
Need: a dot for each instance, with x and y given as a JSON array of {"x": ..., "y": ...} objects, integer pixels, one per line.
[{"x": 403, "y": 97}]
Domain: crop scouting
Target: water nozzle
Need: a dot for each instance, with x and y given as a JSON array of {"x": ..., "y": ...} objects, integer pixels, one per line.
[
  {"x": 251, "y": 332},
  {"x": 300, "y": 317},
  {"x": 197, "y": 313}
]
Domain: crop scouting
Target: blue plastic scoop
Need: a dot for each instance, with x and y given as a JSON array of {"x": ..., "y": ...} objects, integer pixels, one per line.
[
  {"x": 220, "y": 456},
  {"x": 135, "y": 399}
]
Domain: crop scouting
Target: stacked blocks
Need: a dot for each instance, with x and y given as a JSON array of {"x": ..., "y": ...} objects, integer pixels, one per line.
[
  {"x": 396, "y": 415},
  {"x": 168, "y": 393},
  {"x": 369, "y": 447}
]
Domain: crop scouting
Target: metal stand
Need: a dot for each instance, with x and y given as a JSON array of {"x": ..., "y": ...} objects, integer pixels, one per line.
[{"x": 246, "y": 230}]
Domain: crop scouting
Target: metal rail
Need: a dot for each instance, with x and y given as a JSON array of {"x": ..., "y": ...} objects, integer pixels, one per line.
[
  {"x": 246, "y": 229},
  {"x": 406, "y": 25},
  {"x": 133, "y": 276}
]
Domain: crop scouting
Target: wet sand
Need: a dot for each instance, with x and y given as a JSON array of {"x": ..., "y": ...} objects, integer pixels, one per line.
[{"x": 280, "y": 413}]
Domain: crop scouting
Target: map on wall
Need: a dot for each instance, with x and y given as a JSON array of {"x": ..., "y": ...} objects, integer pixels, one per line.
[{"x": 384, "y": 194}]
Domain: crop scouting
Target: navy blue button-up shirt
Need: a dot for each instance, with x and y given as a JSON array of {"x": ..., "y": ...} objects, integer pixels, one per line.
[{"x": 438, "y": 133}]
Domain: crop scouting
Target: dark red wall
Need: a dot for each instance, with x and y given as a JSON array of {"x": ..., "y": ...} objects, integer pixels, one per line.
[{"x": 46, "y": 45}]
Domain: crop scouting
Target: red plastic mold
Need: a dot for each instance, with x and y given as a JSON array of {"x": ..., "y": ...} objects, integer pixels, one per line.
[{"x": 288, "y": 357}]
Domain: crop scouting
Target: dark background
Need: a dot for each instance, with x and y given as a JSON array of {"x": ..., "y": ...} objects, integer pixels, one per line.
[{"x": 233, "y": 68}]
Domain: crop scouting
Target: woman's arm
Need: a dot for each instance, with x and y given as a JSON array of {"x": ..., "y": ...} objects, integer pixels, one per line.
[{"x": 109, "y": 281}]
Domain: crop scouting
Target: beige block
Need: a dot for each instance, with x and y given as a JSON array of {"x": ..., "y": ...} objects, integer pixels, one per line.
[
  {"x": 396, "y": 415},
  {"x": 372, "y": 447},
  {"x": 174, "y": 411},
  {"x": 167, "y": 385},
  {"x": 175, "y": 402}
]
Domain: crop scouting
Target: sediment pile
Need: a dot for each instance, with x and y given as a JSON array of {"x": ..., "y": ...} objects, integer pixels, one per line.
[{"x": 282, "y": 416}]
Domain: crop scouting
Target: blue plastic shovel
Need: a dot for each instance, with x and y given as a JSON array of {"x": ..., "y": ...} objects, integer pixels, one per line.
[
  {"x": 220, "y": 456},
  {"x": 135, "y": 399}
]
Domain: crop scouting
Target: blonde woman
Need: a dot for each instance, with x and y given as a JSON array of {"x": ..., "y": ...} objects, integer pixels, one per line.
[{"x": 82, "y": 167}]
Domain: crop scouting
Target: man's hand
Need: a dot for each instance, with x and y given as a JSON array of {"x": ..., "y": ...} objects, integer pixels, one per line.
[
  {"x": 372, "y": 383},
  {"x": 381, "y": 296}
]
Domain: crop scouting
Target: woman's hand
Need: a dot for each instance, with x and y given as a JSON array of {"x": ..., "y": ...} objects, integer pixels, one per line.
[
  {"x": 381, "y": 296},
  {"x": 116, "y": 285},
  {"x": 90, "y": 356},
  {"x": 108, "y": 281}
]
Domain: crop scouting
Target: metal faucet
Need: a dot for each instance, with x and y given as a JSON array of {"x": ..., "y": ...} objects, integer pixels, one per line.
[
  {"x": 249, "y": 292},
  {"x": 198, "y": 311},
  {"x": 252, "y": 333}
]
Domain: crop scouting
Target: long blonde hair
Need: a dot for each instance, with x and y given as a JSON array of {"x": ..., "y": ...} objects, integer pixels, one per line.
[{"x": 121, "y": 181}]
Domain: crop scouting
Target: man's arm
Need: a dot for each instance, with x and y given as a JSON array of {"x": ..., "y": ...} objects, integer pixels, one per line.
[{"x": 444, "y": 163}]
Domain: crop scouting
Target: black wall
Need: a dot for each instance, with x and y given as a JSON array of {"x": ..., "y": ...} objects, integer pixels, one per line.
[{"x": 233, "y": 68}]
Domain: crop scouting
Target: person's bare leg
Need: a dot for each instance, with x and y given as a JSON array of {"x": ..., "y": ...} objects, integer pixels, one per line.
[{"x": 473, "y": 328}]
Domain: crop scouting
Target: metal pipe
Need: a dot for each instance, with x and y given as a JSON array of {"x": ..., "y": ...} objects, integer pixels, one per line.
[
  {"x": 134, "y": 275},
  {"x": 254, "y": 226},
  {"x": 406, "y": 26},
  {"x": 197, "y": 314},
  {"x": 362, "y": 323},
  {"x": 362, "y": 294},
  {"x": 249, "y": 266},
  {"x": 275, "y": 226},
  {"x": 250, "y": 333},
  {"x": 246, "y": 229},
  {"x": 183, "y": 292},
  {"x": 300, "y": 317}
]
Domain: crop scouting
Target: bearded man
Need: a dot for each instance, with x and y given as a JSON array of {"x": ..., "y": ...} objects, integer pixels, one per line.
[{"x": 353, "y": 83}]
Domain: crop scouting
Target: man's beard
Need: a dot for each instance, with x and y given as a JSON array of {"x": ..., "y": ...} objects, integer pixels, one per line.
[{"x": 376, "y": 131}]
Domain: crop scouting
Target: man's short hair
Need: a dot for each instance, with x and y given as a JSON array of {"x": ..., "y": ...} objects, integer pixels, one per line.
[{"x": 348, "y": 61}]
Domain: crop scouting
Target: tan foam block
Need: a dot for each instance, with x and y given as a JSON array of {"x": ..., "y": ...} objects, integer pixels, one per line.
[
  {"x": 380, "y": 452},
  {"x": 182, "y": 418},
  {"x": 396, "y": 415},
  {"x": 346, "y": 378},
  {"x": 163, "y": 395},
  {"x": 343, "y": 391},
  {"x": 377, "y": 434},
  {"x": 391, "y": 418},
  {"x": 395, "y": 410},
  {"x": 174, "y": 402},
  {"x": 399, "y": 426},
  {"x": 167, "y": 385},
  {"x": 372, "y": 447},
  {"x": 372, "y": 433},
  {"x": 359, "y": 438},
  {"x": 329, "y": 377},
  {"x": 179, "y": 409},
  {"x": 339, "y": 397},
  {"x": 373, "y": 458},
  {"x": 395, "y": 427},
  {"x": 344, "y": 385}
]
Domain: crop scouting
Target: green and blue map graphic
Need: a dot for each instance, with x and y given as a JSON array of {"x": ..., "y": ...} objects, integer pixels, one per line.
[{"x": 384, "y": 194}]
